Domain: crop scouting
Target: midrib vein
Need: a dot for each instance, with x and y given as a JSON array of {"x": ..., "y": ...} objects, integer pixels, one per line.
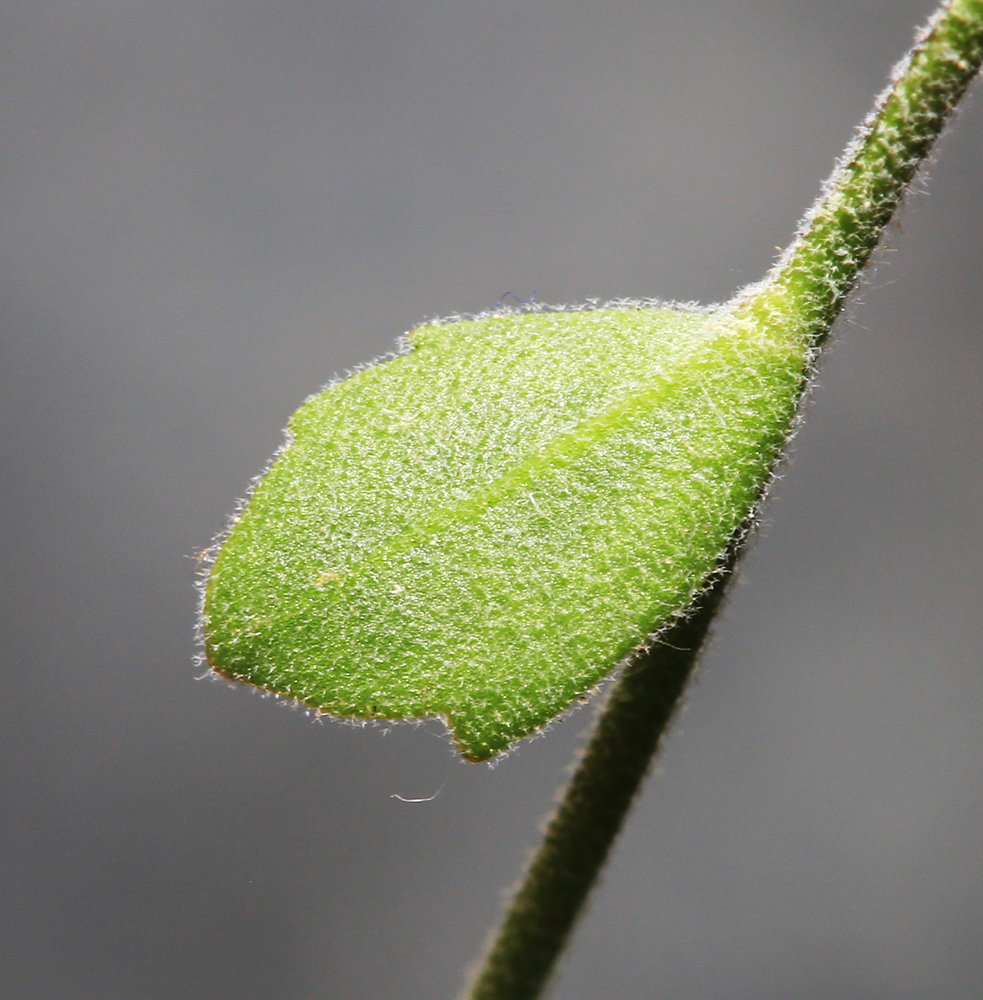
[{"x": 562, "y": 452}]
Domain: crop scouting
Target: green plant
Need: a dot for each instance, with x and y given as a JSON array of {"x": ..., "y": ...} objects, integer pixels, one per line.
[{"x": 485, "y": 526}]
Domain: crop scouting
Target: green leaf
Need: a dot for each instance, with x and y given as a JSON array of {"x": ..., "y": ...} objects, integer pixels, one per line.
[{"x": 483, "y": 527}]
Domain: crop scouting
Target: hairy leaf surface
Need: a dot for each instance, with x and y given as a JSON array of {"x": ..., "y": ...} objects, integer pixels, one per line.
[{"x": 483, "y": 527}]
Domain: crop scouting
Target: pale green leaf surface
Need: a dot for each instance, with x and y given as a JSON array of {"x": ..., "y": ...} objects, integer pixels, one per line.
[{"x": 483, "y": 527}]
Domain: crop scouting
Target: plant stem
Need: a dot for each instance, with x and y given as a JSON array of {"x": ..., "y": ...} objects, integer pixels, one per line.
[
  {"x": 807, "y": 287},
  {"x": 798, "y": 300},
  {"x": 594, "y": 806}
]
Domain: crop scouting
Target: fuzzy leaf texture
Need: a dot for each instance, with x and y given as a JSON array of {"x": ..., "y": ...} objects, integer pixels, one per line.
[{"x": 484, "y": 527}]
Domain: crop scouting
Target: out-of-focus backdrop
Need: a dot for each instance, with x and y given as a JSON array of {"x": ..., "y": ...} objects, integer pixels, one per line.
[{"x": 209, "y": 209}]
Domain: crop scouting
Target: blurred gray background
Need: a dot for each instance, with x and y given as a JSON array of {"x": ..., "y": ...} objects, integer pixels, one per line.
[{"x": 209, "y": 209}]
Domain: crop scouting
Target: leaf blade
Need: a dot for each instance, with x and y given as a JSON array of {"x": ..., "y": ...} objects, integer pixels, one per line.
[{"x": 484, "y": 527}]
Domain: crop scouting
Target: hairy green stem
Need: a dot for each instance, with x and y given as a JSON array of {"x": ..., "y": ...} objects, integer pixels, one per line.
[
  {"x": 799, "y": 300},
  {"x": 805, "y": 291},
  {"x": 594, "y": 806}
]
